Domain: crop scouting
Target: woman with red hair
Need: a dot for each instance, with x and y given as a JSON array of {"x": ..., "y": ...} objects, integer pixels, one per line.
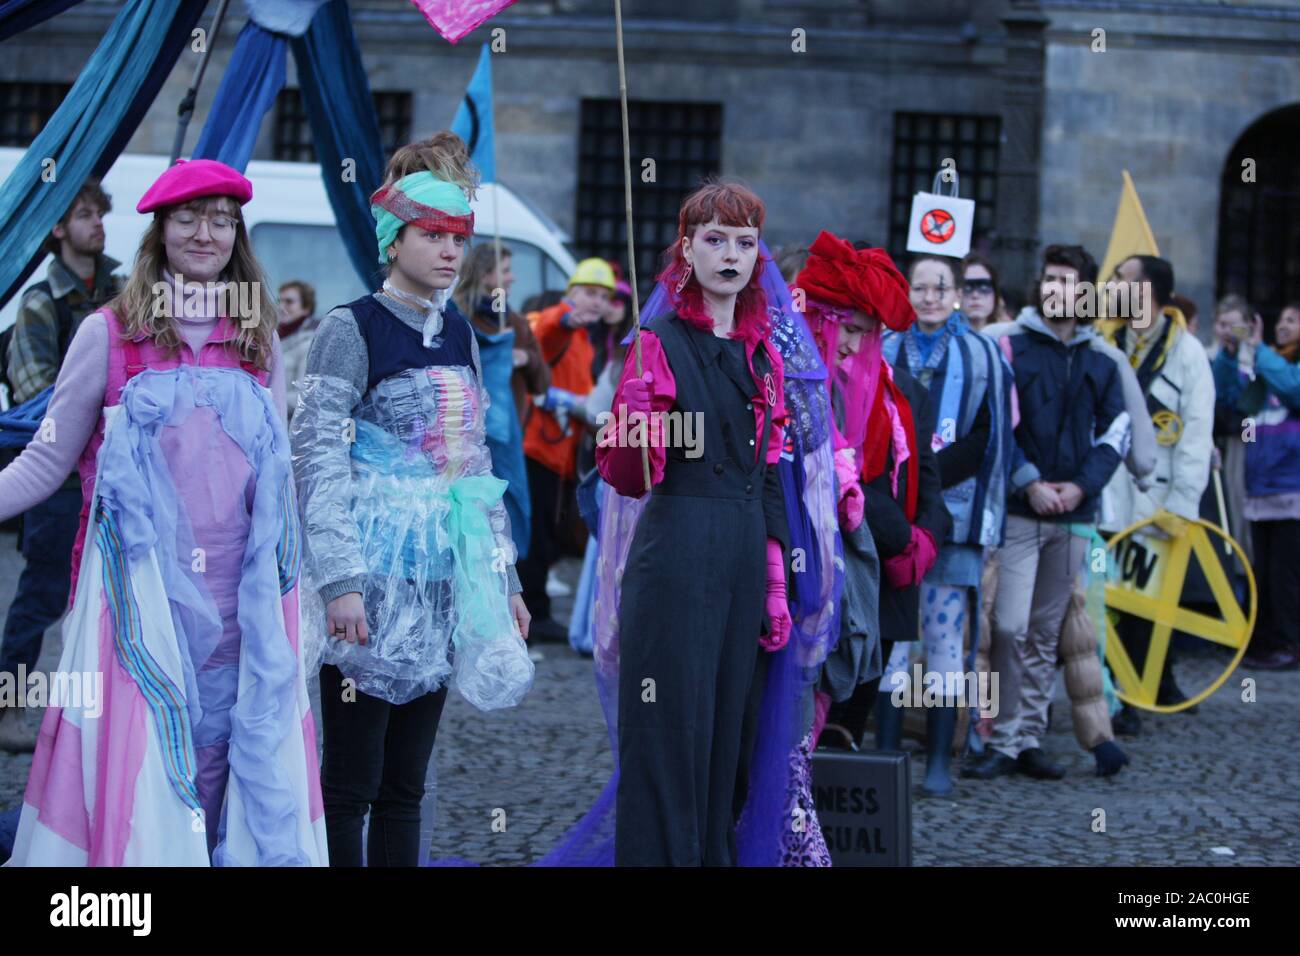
[
  {"x": 707, "y": 561},
  {"x": 849, "y": 293}
]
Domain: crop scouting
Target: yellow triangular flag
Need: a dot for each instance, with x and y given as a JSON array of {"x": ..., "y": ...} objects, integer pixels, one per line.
[{"x": 1130, "y": 236}]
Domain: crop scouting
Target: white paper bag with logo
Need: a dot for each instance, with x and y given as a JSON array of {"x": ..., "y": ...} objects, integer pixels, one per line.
[{"x": 941, "y": 224}]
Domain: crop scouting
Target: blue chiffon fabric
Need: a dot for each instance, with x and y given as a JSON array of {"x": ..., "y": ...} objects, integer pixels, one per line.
[{"x": 135, "y": 486}]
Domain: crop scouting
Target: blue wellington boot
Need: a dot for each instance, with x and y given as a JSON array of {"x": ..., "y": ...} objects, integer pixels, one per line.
[{"x": 940, "y": 726}]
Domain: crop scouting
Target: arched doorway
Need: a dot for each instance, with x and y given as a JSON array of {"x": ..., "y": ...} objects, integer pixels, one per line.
[{"x": 1259, "y": 222}]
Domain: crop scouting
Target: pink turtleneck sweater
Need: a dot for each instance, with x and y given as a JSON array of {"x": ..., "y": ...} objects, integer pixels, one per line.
[{"x": 76, "y": 406}]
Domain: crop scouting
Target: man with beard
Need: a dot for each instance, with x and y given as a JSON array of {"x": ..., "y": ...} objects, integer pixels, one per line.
[
  {"x": 1073, "y": 432},
  {"x": 79, "y": 281}
]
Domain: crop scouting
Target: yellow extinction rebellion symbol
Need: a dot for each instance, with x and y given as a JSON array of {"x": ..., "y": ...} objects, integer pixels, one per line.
[
  {"x": 1169, "y": 427},
  {"x": 1145, "y": 574}
]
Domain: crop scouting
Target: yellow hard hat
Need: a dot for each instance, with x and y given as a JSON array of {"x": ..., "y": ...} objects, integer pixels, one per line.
[{"x": 593, "y": 272}]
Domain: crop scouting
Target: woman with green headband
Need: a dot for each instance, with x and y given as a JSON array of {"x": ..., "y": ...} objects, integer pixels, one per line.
[{"x": 408, "y": 551}]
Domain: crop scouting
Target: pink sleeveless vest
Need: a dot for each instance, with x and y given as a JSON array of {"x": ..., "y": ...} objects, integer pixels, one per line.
[{"x": 127, "y": 358}]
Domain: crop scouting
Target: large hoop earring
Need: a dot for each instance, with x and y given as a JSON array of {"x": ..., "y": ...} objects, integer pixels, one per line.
[{"x": 686, "y": 277}]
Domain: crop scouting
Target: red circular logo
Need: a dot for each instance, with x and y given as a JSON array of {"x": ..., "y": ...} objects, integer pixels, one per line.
[{"x": 938, "y": 226}]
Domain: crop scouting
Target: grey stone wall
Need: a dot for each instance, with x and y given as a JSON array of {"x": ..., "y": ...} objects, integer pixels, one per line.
[
  {"x": 1173, "y": 92},
  {"x": 812, "y": 133}
]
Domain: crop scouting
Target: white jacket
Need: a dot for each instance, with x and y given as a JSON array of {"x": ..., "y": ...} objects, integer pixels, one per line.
[{"x": 1184, "y": 385}]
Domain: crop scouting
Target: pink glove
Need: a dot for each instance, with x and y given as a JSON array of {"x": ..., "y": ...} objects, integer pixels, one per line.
[
  {"x": 851, "y": 501},
  {"x": 927, "y": 552},
  {"x": 634, "y": 397},
  {"x": 911, "y": 565},
  {"x": 778, "y": 609},
  {"x": 637, "y": 392}
]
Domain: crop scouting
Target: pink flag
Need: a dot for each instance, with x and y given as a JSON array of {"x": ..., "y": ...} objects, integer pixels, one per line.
[{"x": 455, "y": 18}]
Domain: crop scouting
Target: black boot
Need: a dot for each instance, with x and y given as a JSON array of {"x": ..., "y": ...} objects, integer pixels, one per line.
[
  {"x": 1126, "y": 723},
  {"x": 1170, "y": 694},
  {"x": 1034, "y": 763},
  {"x": 994, "y": 763}
]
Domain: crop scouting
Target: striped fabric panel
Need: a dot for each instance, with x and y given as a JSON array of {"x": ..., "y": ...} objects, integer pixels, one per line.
[
  {"x": 288, "y": 550},
  {"x": 165, "y": 700}
]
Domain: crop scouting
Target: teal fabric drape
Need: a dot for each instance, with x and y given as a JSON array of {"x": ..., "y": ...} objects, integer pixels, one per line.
[{"x": 90, "y": 128}]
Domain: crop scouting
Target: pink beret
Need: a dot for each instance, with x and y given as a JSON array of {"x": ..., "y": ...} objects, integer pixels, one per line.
[{"x": 190, "y": 179}]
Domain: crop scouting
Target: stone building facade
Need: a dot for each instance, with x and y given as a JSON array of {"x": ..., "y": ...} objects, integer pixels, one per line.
[{"x": 836, "y": 111}]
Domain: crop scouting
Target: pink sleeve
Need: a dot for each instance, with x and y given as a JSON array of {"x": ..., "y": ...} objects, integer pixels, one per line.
[
  {"x": 619, "y": 464},
  {"x": 74, "y": 412}
]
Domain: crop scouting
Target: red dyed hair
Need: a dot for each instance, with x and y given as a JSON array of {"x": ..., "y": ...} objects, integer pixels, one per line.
[{"x": 731, "y": 205}]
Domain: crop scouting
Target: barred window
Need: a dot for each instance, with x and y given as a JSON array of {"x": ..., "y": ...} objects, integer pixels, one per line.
[
  {"x": 25, "y": 108},
  {"x": 293, "y": 140},
  {"x": 394, "y": 112},
  {"x": 922, "y": 141},
  {"x": 685, "y": 142},
  {"x": 1259, "y": 215}
]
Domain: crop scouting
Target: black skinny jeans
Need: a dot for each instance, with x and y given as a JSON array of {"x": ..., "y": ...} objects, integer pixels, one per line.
[{"x": 376, "y": 758}]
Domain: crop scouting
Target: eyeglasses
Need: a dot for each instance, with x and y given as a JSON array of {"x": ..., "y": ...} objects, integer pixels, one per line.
[
  {"x": 187, "y": 224},
  {"x": 982, "y": 286},
  {"x": 924, "y": 292}
]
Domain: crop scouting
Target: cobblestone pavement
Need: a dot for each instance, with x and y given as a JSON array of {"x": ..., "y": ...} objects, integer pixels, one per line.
[{"x": 1216, "y": 788}]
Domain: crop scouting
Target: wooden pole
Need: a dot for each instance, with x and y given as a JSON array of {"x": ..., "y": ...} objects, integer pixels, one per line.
[
  {"x": 627, "y": 198},
  {"x": 1223, "y": 509},
  {"x": 186, "y": 110},
  {"x": 496, "y": 229},
  {"x": 496, "y": 246}
]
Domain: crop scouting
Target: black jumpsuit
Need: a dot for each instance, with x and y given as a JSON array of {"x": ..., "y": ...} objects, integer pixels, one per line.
[{"x": 692, "y": 611}]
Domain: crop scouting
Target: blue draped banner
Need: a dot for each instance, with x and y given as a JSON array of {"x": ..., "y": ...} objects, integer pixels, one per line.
[
  {"x": 90, "y": 128},
  {"x": 253, "y": 79},
  {"x": 336, "y": 95},
  {"x": 19, "y": 15}
]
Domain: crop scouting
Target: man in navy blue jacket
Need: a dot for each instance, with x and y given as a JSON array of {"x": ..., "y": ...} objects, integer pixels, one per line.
[{"x": 1072, "y": 434}]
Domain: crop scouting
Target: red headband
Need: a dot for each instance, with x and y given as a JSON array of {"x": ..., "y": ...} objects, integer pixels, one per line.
[{"x": 417, "y": 214}]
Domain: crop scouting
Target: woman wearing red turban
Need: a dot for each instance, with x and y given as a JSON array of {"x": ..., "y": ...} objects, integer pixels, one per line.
[{"x": 848, "y": 294}]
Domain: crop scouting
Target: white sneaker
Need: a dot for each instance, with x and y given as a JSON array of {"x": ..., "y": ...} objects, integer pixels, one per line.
[{"x": 15, "y": 736}]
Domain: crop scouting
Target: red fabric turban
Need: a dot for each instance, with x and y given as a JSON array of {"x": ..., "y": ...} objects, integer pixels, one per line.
[{"x": 863, "y": 279}]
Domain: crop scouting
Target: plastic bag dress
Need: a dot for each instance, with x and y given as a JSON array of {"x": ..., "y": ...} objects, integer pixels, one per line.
[{"x": 402, "y": 496}]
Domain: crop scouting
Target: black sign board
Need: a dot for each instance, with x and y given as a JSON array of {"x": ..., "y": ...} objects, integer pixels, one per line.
[{"x": 864, "y": 805}]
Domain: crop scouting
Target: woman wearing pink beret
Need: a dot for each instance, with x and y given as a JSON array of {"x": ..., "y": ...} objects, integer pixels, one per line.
[{"x": 184, "y": 737}]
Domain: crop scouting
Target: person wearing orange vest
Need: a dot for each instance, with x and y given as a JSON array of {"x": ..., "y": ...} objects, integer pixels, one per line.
[{"x": 555, "y": 426}]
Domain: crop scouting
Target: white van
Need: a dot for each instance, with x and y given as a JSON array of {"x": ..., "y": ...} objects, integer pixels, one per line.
[{"x": 295, "y": 236}]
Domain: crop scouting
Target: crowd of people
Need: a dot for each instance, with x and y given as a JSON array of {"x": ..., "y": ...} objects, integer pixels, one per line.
[{"x": 807, "y": 473}]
